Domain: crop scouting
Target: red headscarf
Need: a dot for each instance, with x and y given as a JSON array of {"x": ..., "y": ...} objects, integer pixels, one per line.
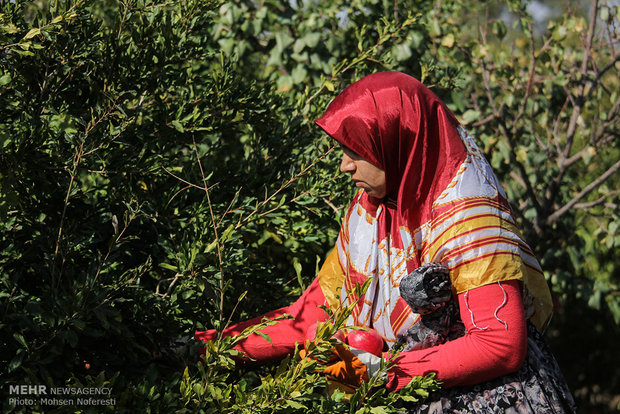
[{"x": 396, "y": 123}]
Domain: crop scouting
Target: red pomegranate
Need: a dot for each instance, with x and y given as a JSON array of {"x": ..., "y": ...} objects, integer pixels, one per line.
[{"x": 367, "y": 340}]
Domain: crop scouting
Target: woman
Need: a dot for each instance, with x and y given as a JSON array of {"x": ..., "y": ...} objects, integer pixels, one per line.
[{"x": 428, "y": 195}]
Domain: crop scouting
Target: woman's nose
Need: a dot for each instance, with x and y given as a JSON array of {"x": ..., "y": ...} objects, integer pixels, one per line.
[{"x": 347, "y": 165}]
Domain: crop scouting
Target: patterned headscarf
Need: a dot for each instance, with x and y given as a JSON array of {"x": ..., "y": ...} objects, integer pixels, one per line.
[{"x": 444, "y": 204}]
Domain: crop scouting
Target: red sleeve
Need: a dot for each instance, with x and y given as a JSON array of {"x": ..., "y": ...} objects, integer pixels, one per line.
[
  {"x": 284, "y": 334},
  {"x": 488, "y": 350}
]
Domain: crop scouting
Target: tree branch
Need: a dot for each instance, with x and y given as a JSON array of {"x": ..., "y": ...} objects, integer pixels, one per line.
[
  {"x": 579, "y": 155},
  {"x": 505, "y": 132},
  {"x": 572, "y": 127},
  {"x": 578, "y": 102},
  {"x": 599, "y": 138},
  {"x": 583, "y": 206},
  {"x": 600, "y": 73},
  {"x": 556, "y": 126},
  {"x": 532, "y": 71},
  {"x": 571, "y": 204}
]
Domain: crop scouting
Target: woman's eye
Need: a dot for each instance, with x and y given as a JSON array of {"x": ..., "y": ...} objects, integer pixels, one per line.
[{"x": 350, "y": 153}]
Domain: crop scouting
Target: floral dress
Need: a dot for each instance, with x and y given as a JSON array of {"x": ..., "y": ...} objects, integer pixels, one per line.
[{"x": 538, "y": 387}]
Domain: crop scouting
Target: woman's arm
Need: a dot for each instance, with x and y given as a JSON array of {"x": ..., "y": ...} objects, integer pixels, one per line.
[
  {"x": 284, "y": 334},
  {"x": 492, "y": 347}
]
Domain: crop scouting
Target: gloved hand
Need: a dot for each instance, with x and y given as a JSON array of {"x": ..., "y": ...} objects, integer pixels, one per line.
[
  {"x": 348, "y": 370},
  {"x": 352, "y": 368}
]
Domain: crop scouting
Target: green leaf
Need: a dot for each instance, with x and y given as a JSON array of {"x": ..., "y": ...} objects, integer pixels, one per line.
[
  {"x": 285, "y": 83},
  {"x": 227, "y": 45},
  {"x": 15, "y": 362},
  {"x": 283, "y": 40},
  {"x": 299, "y": 73},
  {"x": 295, "y": 405},
  {"x": 312, "y": 39},
  {"x": 79, "y": 324},
  {"x": 470, "y": 116},
  {"x": 499, "y": 29},
  {"x": 178, "y": 126},
  {"x": 298, "y": 46},
  {"x": 298, "y": 268},
  {"x": 595, "y": 299},
  {"x": 228, "y": 232},
  {"x": 169, "y": 267},
  {"x": 402, "y": 52},
  {"x": 32, "y": 33},
  {"x": 5, "y": 79},
  {"x": 9, "y": 28},
  {"x": 264, "y": 336},
  {"x": 283, "y": 367},
  {"x": 20, "y": 338}
]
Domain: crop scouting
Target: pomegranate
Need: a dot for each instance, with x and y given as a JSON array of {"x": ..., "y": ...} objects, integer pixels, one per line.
[{"x": 368, "y": 340}]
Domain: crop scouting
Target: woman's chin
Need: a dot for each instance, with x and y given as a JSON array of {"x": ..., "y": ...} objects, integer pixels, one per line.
[{"x": 379, "y": 195}]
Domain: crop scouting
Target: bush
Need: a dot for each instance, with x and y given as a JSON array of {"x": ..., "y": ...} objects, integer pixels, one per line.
[
  {"x": 160, "y": 170},
  {"x": 148, "y": 183}
]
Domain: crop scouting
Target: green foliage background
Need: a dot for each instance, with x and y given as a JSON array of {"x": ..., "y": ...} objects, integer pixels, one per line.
[{"x": 160, "y": 171}]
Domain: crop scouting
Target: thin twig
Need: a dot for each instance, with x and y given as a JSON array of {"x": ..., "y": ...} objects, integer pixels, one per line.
[
  {"x": 187, "y": 182},
  {"x": 174, "y": 280},
  {"x": 217, "y": 237},
  {"x": 77, "y": 157},
  {"x": 366, "y": 55},
  {"x": 556, "y": 127},
  {"x": 230, "y": 206},
  {"x": 598, "y": 202},
  {"x": 76, "y": 161},
  {"x": 105, "y": 259},
  {"x": 579, "y": 155},
  {"x": 571, "y": 204},
  {"x": 579, "y": 101},
  {"x": 331, "y": 205},
  {"x": 532, "y": 71},
  {"x": 509, "y": 138},
  {"x": 282, "y": 187},
  {"x": 177, "y": 193}
]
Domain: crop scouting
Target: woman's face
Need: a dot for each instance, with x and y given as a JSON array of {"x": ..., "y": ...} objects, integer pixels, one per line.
[{"x": 364, "y": 174}]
